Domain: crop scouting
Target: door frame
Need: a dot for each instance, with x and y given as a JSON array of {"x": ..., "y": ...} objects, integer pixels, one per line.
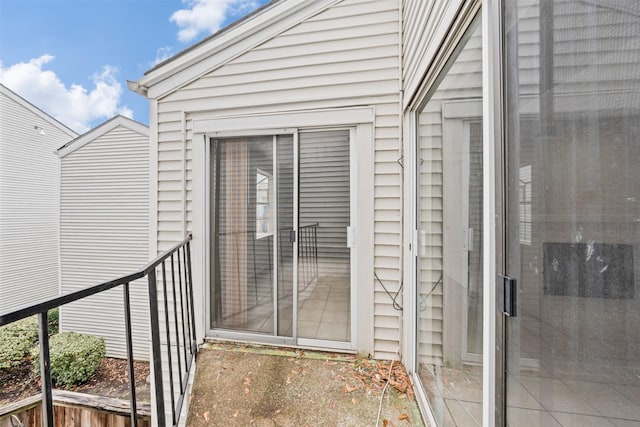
[
  {"x": 360, "y": 120},
  {"x": 456, "y": 119},
  {"x": 495, "y": 215}
]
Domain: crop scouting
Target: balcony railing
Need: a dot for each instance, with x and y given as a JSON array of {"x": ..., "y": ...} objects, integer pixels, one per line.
[{"x": 172, "y": 320}]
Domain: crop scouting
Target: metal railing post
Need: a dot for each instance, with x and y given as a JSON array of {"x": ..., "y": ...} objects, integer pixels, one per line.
[
  {"x": 168, "y": 338},
  {"x": 45, "y": 369},
  {"x": 190, "y": 284},
  {"x": 155, "y": 348},
  {"x": 132, "y": 378}
]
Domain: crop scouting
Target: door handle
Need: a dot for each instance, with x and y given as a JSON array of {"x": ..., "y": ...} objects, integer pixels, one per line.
[
  {"x": 507, "y": 288},
  {"x": 351, "y": 237}
]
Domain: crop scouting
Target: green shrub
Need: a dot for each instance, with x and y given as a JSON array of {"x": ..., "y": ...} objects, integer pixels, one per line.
[
  {"x": 54, "y": 321},
  {"x": 16, "y": 339},
  {"x": 74, "y": 357}
]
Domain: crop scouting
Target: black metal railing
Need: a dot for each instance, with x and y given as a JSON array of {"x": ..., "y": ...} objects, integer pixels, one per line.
[
  {"x": 307, "y": 255},
  {"x": 171, "y": 336}
]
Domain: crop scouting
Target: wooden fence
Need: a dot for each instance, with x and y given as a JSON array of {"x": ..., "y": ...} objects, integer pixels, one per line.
[{"x": 76, "y": 410}]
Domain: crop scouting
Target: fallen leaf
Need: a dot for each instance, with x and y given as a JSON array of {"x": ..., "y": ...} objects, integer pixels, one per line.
[
  {"x": 353, "y": 400},
  {"x": 246, "y": 390},
  {"x": 247, "y": 381},
  {"x": 404, "y": 417},
  {"x": 332, "y": 405},
  {"x": 402, "y": 396},
  {"x": 385, "y": 422},
  {"x": 235, "y": 414},
  {"x": 348, "y": 389},
  {"x": 288, "y": 379},
  {"x": 206, "y": 416}
]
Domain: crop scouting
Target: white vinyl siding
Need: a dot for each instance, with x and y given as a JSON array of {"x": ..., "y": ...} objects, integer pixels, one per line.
[
  {"x": 344, "y": 56},
  {"x": 28, "y": 202},
  {"x": 104, "y": 223},
  {"x": 426, "y": 24},
  {"x": 575, "y": 83}
]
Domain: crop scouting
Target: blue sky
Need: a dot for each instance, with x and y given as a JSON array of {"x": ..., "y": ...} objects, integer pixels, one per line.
[{"x": 72, "y": 58}]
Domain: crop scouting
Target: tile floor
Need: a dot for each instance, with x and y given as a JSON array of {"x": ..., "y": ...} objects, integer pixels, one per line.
[
  {"x": 323, "y": 306},
  {"x": 561, "y": 382}
]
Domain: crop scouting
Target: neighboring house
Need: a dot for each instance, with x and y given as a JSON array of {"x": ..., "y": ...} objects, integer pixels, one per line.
[
  {"x": 359, "y": 175},
  {"x": 104, "y": 229},
  {"x": 29, "y": 188}
]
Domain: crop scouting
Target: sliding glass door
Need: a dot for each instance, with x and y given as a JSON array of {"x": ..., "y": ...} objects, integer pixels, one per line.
[
  {"x": 280, "y": 212},
  {"x": 573, "y": 191}
]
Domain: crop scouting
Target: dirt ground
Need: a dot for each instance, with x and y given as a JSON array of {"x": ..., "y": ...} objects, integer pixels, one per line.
[
  {"x": 261, "y": 386},
  {"x": 110, "y": 379}
]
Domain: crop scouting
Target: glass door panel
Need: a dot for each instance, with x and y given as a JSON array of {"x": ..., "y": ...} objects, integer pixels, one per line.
[
  {"x": 324, "y": 259},
  {"x": 251, "y": 224},
  {"x": 286, "y": 235},
  {"x": 573, "y": 196},
  {"x": 449, "y": 224}
]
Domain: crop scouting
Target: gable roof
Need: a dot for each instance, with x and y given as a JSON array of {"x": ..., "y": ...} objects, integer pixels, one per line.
[
  {"x": 100, "y": 130},
  {"x": 37, "y": 111},
  {"x": 225, "y": 45}
]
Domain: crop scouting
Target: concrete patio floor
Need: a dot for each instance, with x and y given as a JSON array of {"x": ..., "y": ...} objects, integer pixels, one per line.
[{"x": 238, "y": 385}]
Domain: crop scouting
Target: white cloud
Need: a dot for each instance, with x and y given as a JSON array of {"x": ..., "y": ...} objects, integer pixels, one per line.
[
  {"x": 74, "y": 106},
  {"x": 208, "y": 16},
  {"x": 162, "y": 54}
]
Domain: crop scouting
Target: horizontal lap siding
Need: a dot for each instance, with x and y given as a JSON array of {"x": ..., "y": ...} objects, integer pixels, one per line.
[
  {"x": 579, "y": 42},
  {"x": 344, "y": 56},
  {"x": 104, "y": 234},
  {"x": 426, "y": 24},
  {"x": 28, "y": 206}
]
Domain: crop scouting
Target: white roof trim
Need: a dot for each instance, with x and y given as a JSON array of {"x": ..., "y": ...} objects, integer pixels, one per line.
[
  {"x": 282, "y": 121},
  {"x": 98, "y": 131},
  {"x": 220, "y": 49},
  {"x": 37, "y": 111}
]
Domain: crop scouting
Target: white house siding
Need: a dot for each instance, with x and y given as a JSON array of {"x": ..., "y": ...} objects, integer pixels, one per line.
[
  {"x": 426, "y": 24},
  {"x": 344, "y": 56},
  {"x": 104, "y": 234},
  {"x": 28, "y": 202}
]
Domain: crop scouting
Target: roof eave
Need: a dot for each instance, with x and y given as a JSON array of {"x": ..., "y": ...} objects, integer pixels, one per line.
[
  {"x": 37, "y": 111},
  {"x": 100, "y": 130},
  {"x": 224, "y": 46}
]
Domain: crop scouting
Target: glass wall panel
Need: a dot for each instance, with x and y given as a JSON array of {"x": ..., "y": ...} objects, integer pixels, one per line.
[
  {"x": 449, "y": 263},
  {"x": 573, "y": 135}
]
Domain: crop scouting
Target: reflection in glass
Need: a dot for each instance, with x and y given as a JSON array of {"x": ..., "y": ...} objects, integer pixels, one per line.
[
  {"x": 449, "y": 264},
  {"x": 324, "y": 260},
  {"x": 251, "y": 219},
  {"x": 573, "y": 132},
  {"x": 264, "y": 204}
]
